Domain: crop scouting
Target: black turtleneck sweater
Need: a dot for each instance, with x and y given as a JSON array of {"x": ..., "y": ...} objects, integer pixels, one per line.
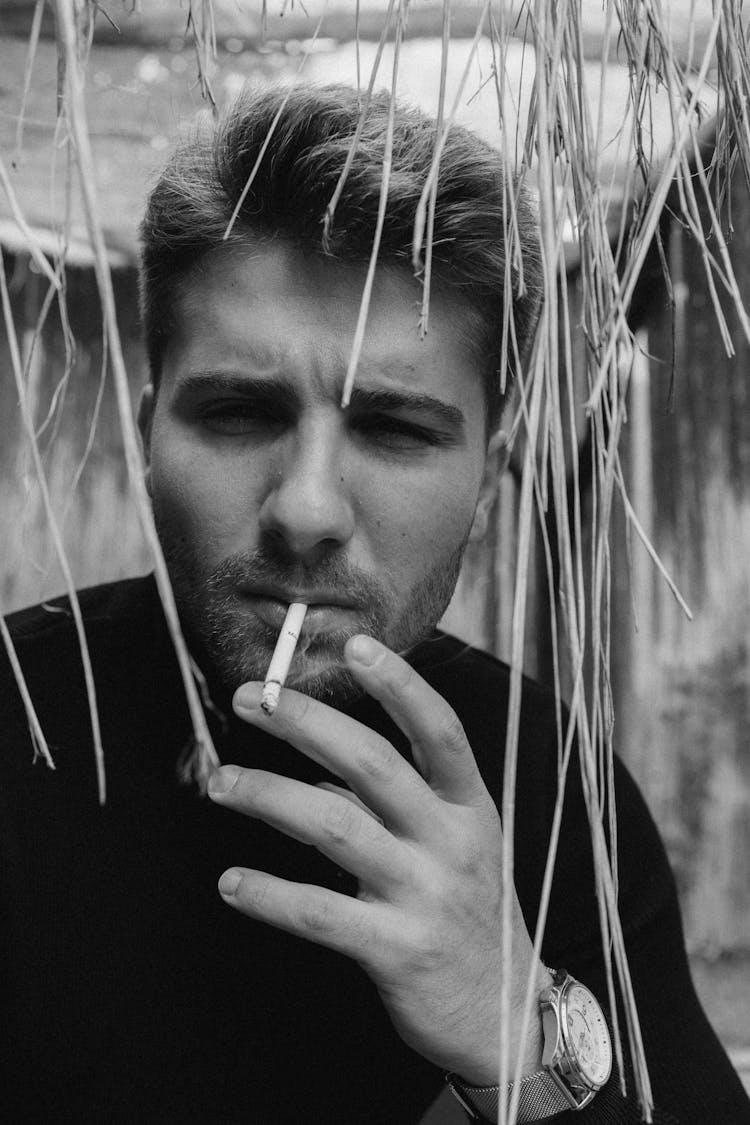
[{"x": 131, "y": 993}]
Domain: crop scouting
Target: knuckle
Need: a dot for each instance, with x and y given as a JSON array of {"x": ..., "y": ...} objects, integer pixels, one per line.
[
  {"x": 451, "y": 732},
  {"x": 470, "y": 853},
  {"x": 425, "y": 947},
  {"x": 400, "y": 674},
  {"x": 360, "y": 937},
  {"x": 339, "y": 821},
  {"x": 378, "y": 761},
  {"x": 471, "y": 860},
  {"x": 263, "y": 785},
  {"x": 314, "y": 915},
  {"x": 297, "y": 711}
]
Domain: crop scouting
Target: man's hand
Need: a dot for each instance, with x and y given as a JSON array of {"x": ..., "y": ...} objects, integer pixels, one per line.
[{"x": 425, "y": 847}]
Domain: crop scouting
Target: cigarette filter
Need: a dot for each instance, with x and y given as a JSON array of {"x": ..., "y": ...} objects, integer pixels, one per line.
[{"x": 281, "y": 661}]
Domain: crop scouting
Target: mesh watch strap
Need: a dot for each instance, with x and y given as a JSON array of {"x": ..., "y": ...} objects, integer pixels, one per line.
[{"x": 539, "y": 1097}]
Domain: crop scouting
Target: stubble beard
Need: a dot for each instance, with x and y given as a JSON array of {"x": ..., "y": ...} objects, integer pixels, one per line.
[{"x": 232, "y": 645}]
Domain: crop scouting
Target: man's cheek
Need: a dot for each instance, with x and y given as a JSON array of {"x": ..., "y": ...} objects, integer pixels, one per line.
[
  {"x": 192, "y": 494},
  {"x": 437, "y": 526},
  {"x": 186, "y": 521}
]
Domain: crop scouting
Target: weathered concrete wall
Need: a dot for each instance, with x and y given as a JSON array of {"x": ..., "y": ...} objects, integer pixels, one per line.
[
  {"x": 683, "y": 688},
  {"x": 86, "y": 475}
]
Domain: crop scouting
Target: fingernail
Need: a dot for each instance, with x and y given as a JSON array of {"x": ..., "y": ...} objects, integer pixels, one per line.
[
  {"x": 247, "y": 697},
  {"x": 365, "y": 650},
  {"x": 229, "y": 882},
  {"x": 222, "y": 780}
]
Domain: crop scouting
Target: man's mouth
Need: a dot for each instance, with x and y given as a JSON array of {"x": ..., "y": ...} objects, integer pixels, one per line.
[{"x": 328, "y": 610}]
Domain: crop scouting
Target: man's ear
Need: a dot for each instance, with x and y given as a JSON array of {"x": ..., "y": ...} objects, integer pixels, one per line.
[
  {"x": 495, "y": 464},
  {"x": 145, "y": 425}
]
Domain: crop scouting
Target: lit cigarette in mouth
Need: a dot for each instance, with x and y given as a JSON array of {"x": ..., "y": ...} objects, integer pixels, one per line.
[{"x": 281, "y": 661}]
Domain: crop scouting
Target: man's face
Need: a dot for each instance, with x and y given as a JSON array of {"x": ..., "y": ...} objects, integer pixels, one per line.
[{"x": 265, "y": 491}]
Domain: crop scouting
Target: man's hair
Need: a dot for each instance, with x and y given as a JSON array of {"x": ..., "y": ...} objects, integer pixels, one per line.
[{"x": 191, "y": 205}]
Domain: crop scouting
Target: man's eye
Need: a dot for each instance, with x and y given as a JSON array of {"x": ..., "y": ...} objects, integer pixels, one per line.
[
  {"x": 239, "y": 418},
  {"x": 397, "y": 433}
]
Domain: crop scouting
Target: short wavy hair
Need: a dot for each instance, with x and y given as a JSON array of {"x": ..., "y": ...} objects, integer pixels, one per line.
[{"x": 190, "y": 207}]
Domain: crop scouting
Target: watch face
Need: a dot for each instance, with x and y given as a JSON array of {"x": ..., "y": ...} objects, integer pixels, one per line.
[{"x": 586, "y": 1035}]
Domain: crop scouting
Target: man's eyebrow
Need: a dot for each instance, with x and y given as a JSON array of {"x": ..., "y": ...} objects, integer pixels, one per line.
[
  {"x": 386, "y": 399},
  {"x": 363, "y": 399},
  {"x": 234, "y": 383}
]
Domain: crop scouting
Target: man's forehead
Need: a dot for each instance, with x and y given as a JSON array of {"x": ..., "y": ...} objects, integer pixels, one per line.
[
  {"x": 267, "y": 269},
  {"x": 263, "y": 265},
  {"x": 201, "y": 362},
  {"x": 270, "y": 309}
]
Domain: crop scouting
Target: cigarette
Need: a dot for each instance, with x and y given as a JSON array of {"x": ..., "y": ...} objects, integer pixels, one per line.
[{"x": 281, "y": 661}]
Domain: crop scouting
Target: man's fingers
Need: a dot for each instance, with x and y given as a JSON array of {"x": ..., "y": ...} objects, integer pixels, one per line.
[
  {"x": 342, "y": 829},
  {"x": 439, "y": 744},
  {"x": 348, "y": 796},
  {"x": 367, "y": 762},
  {"x": 325, "y": 917}
]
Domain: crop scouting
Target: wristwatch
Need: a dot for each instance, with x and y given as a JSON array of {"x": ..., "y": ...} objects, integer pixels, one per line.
[{"x": 577, "y": 1059}]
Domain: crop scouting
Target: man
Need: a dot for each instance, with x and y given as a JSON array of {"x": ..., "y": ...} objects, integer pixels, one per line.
[{"x": 355, "y": 833}]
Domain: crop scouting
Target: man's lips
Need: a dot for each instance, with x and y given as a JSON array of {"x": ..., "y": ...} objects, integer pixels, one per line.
[
  {"x": 326, "y": 610},
  {"x": 320, "y": 597}
]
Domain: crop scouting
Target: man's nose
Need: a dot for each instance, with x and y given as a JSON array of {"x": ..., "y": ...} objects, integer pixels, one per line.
[{"x": 308, "y": 503}]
